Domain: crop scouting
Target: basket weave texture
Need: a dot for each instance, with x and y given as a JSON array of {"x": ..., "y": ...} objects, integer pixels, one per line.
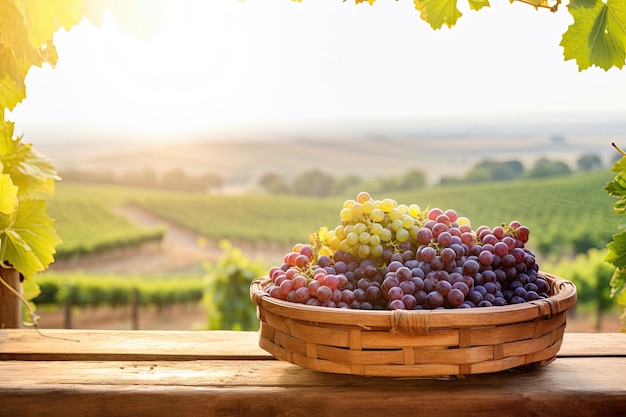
[{"x": 415, "y": 343}]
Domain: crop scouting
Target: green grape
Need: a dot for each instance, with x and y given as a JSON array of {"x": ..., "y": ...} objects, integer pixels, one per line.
[
  {"x": 339, "y": 232},
  {"x": 377, "y": 215},
  {"x": 346, "y": 214},
  {"x": 368, "y": 207},
  {"x": 363, "y": 251},
  {"x": 414, "y": 210},
  {"x": 376, "y": 229},
  {"x": 395, "y": 214},
  {"x": 376, "y": 251},
  {"x": 349, "y": 228},
  {"x": 408, "y": 221},
  {"x": 388, "y": 204},
  {"x": 352, "y": 238},
  {"x": 349, "y": 204},
  {"x": 386, "y": 235},
  {"x": 402, "y": 235},
  {"x": 364, "y": 238},
  {"x": 360, "y": 228},
  {"x": 374, "y": 240},
  {"x": 397, "y": 225},
  {"x": 357, "y": 211}
]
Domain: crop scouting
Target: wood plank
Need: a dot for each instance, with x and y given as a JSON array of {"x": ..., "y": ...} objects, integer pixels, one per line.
[
  {"x": 58, "y": 344},
  {"x": 593, "y": 344},
  {"x": 568, "y": 386}
]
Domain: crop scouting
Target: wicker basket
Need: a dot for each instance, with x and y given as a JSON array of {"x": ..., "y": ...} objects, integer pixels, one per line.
[{"x": 417, "y": 343}]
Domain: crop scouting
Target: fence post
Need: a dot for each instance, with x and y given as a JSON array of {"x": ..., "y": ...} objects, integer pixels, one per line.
[
  {"x": 10, "y": 304},
  {"x": 135, "y": 309}
]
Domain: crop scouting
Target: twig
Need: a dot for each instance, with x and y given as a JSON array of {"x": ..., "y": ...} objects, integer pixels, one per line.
[{"x": 34, "y": 317}]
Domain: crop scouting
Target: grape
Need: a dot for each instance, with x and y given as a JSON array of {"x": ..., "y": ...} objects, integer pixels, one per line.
[
  {"x": 455, "y": 297},
  {"x": 302, "y": 295},
  {"x": 386, "y": 255},
  {"x": 395, "y": 293}
]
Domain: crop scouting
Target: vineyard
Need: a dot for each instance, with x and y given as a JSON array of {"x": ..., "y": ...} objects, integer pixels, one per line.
[{"x": 567, "y": 216}]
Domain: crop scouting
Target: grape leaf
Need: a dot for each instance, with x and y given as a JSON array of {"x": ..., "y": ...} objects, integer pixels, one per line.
[
  {"x": 618, "y": 282},
  {"x": 438, "y": 12},
  {"x": 617, "y": 188},
  {"x": 619, "y": 166},
  {"x": 598, "y": 34},
  {"x": 540, "y": 3},
  {"x": 32, "y": 172},
  {"x": 616, "y": 255},
  {"x": 29, "y": 240},
  {"x": 478, "y": 4},
  {"x": 10, "y": 93},
  {"x": 44, "y": 18},
  {"x": 14, "y": 32},
  {"x": 8, "y": 195}
]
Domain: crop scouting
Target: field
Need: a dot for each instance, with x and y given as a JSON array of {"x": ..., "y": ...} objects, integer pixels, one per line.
[
  {"x": 165, "y": 234},
  {"x": 561, "y": 212}
]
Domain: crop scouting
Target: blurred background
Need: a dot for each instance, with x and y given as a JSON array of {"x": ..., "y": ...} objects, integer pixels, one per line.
[{"x": 199, "y": 141}]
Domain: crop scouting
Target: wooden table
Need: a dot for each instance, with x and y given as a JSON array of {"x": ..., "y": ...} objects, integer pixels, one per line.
[{"x": 223, "y": 373}]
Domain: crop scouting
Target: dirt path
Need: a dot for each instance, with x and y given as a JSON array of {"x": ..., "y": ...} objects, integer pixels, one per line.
[{"x": 179, "y": 250}]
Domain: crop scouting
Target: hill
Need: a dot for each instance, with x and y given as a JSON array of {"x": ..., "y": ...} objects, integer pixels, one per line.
[{"x": 240, "y": 162}]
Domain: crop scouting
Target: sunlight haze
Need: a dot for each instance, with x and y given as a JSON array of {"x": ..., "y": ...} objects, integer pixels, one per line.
[{"x": 225, "y": 65}]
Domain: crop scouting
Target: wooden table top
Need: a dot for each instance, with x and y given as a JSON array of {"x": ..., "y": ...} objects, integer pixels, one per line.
[{"x": 225, "y": 373}]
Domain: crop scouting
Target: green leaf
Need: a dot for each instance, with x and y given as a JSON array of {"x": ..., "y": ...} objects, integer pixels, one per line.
[
  {"x": 8, "y": 195},
  {"x": 618, "y": 282},
  {"x": 33, "y": 173},
  {"x": 619, "y": 166},
  {"x": 478, "y": 4},
  {"x": 617, "y": 251},
  {"x": 31, "y": 289},
  {"x": 438, "y": 12},
  {"x": 598, "y": 34},
  {"x": 29, "y": 240}
]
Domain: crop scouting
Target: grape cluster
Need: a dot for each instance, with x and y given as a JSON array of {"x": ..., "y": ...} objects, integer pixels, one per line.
[{"x": 439, "y": 261}]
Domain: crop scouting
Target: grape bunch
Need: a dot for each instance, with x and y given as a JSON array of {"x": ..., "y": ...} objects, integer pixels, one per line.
[{"x": 402, "y": 258}]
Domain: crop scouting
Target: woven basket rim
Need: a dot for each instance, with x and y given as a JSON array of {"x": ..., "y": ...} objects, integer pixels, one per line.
[{"x": 563, "y": 297}]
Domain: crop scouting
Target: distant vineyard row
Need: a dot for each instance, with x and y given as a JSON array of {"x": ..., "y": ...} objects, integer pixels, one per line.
[
  {"x": 80, "y": 290},
  {"x": 566, "y": 214}
]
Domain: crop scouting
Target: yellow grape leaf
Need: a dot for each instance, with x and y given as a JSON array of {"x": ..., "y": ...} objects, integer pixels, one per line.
[
  {"x": 94, "y": 10},
  {"x": 598, "y": 34},
  {"x": 541, "y": 3},
  {"x": 438, "y": 12},
  {"x": 478, "y": 4},
  {"x": 33, "y": 173},
  {"x": 44, "y": 18},
  {"x": 8, "y": 195},
  {"x": 15, "y": 37},
  {"x": 29, "y": 240},
  {"x": 10, "y": 93}
]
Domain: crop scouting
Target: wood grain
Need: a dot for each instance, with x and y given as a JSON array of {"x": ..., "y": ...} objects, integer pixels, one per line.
[{"x": 568, "y": 386}]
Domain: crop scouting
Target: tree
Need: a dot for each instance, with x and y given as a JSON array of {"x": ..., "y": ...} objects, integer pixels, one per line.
[
  {"x": 314, "y": 183},
  {"x": 544, "y": 167},
  {"x": 273, "y": 182},
  {"x": 589, "y": 162}
]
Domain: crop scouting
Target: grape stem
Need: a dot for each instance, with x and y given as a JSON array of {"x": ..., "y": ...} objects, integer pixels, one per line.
[
  {"x": 34, "y": 317},
  {"x": 618, "y": 149}
]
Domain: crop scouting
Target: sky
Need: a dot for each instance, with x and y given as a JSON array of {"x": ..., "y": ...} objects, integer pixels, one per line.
[{"x": 221, "y": 65}]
